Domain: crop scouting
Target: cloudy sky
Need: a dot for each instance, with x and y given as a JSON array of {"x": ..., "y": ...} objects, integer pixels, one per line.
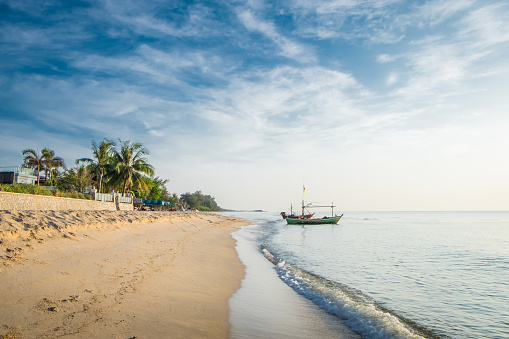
[{"x": 374, "y": 104}]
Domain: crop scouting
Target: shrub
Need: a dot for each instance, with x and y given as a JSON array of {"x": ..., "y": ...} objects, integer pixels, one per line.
[
  {"x": 34, "y": 189},
  {"x": 26, "y": 188}
]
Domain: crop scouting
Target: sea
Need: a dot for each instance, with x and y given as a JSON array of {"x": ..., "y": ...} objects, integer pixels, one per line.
[{"x": 374, "y": 275}]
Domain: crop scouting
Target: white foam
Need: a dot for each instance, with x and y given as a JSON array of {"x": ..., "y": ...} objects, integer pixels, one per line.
[{"x": 360, "y": 312}]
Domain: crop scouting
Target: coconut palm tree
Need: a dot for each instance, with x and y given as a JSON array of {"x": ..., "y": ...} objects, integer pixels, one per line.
[
  {"x": 101, "y": 157},
  {"x": 32, "y": 159},
  {"x": 50, "y": 161},
  {"x": 129, "y": 164}
]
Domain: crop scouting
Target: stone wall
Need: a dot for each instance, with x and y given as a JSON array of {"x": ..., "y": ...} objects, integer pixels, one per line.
[{"x": 27, "y": 202}]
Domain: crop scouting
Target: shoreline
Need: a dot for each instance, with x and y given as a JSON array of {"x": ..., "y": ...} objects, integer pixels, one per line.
[
  {"x": 117, "y": 274},
  {"x": 265, "y": 306}
]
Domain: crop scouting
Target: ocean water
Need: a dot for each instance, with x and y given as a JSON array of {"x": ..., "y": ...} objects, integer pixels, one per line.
[{"x": 382, "y": 274}]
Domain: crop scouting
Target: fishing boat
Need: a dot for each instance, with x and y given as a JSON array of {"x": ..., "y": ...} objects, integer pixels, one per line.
[{"x": 301, "y": 220}]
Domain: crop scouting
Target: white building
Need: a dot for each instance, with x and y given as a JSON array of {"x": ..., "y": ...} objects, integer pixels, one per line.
[{"x": 12, "y": 174}]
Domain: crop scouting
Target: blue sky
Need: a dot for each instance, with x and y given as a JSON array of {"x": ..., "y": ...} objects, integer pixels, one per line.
[{"x": 375, "y": 105}]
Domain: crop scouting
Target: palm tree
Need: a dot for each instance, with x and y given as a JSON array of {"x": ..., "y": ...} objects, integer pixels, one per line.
[
  {"x": 129, "y": 165},
  {"x": 50, "y": 161},
  {"x": 32, "y": 159},
  {"x": 101, "y": 156},
  {"x": 83, "y": 178}
]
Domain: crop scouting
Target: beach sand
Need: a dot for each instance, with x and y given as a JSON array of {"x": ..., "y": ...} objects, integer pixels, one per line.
[{"x": 117, "y": 274}]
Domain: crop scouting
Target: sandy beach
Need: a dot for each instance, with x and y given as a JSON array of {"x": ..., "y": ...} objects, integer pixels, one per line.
[{"x": 117, "y": 274}]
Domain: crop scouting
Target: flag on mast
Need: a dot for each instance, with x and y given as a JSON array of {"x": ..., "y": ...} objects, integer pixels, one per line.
[{"x": 303, "y": 189}]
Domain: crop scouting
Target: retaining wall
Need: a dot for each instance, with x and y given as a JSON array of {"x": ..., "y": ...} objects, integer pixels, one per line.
[{"x": 27, "y": 202}]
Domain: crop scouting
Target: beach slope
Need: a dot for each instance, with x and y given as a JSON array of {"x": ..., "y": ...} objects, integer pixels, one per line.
[{"x": 117, "y": 274}]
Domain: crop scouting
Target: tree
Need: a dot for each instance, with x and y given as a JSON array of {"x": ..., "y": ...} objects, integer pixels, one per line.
[
  {"x": 128, "y": 166},
  {"x": 101, "y": 158},
  {"x": 32, "y": 159},
  {"x": 156, "y": 189},
  {"x": 50, "y": 161},
  {"x": 199, "y": 201},
  {"x": 76, "y": 179}
]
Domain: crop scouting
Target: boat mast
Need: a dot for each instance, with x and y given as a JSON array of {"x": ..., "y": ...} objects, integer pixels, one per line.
[{"x": 303, "y": 191}]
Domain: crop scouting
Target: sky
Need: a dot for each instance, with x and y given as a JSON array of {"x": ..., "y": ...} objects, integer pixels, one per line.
[{"x": 373, "y": 105}]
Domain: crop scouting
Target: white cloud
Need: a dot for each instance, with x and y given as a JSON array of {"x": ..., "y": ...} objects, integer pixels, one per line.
[
  {"x": 198, "y": 21},
  {"x": 346, "y": 19},
  {"x": 486, "y": 25},
  {"x": 392, "y": 79},
  {"x": 165, "y": 68},
  {"x": 287, "y": 47},
  {"x": 437, "y": 11},
  {"x": 384, "y": 58}
]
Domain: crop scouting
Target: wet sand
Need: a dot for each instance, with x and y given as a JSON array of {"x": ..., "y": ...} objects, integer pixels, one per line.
[{"x": 117, "y": 274}]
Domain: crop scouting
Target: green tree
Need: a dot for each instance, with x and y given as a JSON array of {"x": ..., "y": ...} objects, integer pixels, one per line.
[
  {"x": 76, "y": 179},
  {"x": 101, "y": 158},
  {"x": 50, "y": 162},
  {"x": 171, "y": 198},
  {"x": 32, "y": 159},
  {"x": 155, "y": 189},
  {"x": 128, "y": 166},
  {"x": 199, "y": 201}
]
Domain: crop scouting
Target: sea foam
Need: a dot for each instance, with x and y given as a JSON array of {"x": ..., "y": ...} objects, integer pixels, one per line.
[{"x": 357, "y": 310}]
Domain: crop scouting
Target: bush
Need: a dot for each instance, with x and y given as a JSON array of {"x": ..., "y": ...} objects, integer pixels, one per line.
[
  {"x": 26, "y": 188},
  {"x": 34, "y": 189}
]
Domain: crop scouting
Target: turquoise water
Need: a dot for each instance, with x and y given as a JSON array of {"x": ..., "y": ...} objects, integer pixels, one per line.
[{"x": 398, "y": 274}]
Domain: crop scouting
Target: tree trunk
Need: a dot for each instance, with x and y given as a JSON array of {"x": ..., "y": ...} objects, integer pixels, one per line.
[
  {"x": 100, "y": 181},
  {"x": 38, "y": 171}
]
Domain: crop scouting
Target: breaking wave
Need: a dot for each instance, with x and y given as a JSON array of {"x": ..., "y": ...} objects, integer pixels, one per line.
[{"x": 360, "y": 312}]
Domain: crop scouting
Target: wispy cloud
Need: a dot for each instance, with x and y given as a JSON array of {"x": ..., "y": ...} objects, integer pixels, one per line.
[
  {"x": 286, "y": 47},
  {"x": 487, "y": 25},
  {"x": 347, "y": 19},
  {"x": 197, "y": 21},
  {"x": 435, "y": 12}
]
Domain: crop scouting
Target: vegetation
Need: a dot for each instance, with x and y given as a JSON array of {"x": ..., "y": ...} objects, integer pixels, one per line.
[
  {"x": 101, "y": 155},
  {"x": 34, "y": 189},
  {"x": 121, "y": 167},
  {"x": 76, "y": 179},
  {"x": 199, "y": 201},
  {"x": 128, "y": 165},
  {"x": 156, "y": 190},
  {"x": 32, "y": 159},
  {"x": 45, "y": 161},
  {"x": 51, "y": 164}
]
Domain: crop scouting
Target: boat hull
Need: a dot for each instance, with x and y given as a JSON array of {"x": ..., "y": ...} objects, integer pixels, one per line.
[
  {"x": 293, "y": 216},
  {"x": 322, "y": 221}
]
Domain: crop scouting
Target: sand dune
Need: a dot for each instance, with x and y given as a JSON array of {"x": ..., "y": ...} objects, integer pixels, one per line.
[{"x": 116, "y": 274}]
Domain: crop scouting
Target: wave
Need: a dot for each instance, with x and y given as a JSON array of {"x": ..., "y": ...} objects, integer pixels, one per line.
[{"x": 360, "y": 312}]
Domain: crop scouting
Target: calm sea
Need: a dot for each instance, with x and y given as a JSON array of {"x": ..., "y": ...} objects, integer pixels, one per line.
[{"x": 394, "y": 274}]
